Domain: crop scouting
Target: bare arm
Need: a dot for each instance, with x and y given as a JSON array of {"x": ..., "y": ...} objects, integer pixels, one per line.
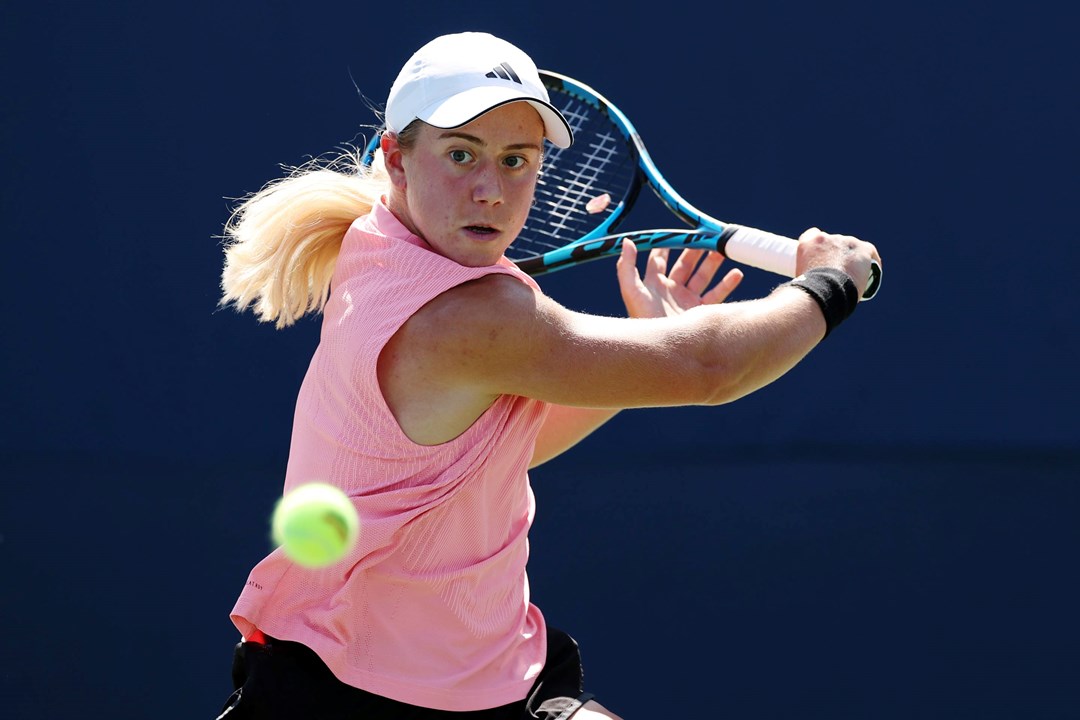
[{"x": 496, "y": 336}]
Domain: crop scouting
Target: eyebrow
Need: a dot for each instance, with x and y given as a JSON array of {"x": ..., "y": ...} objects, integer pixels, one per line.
[{"x": 482, "y": 143}]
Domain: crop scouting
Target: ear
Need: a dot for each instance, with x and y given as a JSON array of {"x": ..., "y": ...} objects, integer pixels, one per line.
[{"x": 393, "y": 160}]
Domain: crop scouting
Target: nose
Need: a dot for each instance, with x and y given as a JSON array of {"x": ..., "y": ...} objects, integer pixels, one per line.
[{"x": 487, "y": 184}]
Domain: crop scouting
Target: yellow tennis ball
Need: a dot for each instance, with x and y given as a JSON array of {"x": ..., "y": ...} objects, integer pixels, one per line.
[{"x": 315, "y": 524}]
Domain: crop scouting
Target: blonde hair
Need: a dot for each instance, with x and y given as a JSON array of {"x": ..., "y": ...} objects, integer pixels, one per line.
[{"x": 282, "y": 242}]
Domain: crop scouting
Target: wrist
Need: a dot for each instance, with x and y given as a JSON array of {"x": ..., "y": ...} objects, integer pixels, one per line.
[{"x": 834, "y": 292}]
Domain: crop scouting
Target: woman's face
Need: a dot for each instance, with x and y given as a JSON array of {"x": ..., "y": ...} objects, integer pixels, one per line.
[{"x": 467, "y": 190}]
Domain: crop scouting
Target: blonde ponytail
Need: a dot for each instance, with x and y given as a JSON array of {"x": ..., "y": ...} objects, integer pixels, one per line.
[{"x": 282, "y": 242}]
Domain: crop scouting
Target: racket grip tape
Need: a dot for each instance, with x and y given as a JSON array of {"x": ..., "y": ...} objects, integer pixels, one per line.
[{"x": 775, "y": 253}]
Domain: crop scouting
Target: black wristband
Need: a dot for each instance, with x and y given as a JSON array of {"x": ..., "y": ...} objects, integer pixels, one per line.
[{"x": 833, "y": 290}]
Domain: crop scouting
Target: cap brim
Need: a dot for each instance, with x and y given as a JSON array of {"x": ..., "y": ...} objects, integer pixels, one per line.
[{"x": 466, "y": 106}]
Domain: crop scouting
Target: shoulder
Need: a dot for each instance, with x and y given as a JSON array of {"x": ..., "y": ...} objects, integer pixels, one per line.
[
  {"x": 464, "y": 347},
  {"x": 494, "y": 301},
  {"x": 483, "y": 333},
  {"x": 447, "y": 363}
]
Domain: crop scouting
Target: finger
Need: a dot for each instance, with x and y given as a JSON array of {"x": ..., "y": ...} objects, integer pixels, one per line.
[
  {"x": 657, "y": 265},
  {"x": 626, "y": 267},
  {"x": 706, "y": 271},
  {"x": 874, "y": 253},
  {"x": 684, "y": 266},
  {"x": 724, "y": 288}
]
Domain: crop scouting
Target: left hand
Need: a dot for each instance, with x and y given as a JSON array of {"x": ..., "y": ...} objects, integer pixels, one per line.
[{"x": 662, "y": 294}]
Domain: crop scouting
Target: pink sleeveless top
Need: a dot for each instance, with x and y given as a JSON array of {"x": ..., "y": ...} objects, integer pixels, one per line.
[{"x": 432, "y": 606}]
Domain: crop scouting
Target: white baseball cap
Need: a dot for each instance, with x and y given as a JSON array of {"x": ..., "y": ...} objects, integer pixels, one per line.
[{"x": 455, "y": 79}]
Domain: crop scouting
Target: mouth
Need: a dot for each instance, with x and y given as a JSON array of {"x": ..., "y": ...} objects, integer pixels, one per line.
[{"x": 481, "y": 230}]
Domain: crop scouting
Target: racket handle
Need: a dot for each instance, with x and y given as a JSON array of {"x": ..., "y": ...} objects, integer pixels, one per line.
[{"x": 777, "y": 254}]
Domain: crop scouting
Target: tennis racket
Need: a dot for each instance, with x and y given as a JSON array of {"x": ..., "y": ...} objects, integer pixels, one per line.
[{"x": 585, "y": 191}]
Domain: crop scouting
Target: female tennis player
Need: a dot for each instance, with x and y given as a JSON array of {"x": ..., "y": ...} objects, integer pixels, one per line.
[{"x": 443, "y": 373}]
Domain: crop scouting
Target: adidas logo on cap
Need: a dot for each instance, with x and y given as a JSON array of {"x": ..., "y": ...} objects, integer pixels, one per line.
[{"x": 504, "y": 71}]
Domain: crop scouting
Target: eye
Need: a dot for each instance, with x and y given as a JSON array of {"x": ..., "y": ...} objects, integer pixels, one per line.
[
  {"x": 515, "y": 161},
  {"x": 460, "y": 156}
]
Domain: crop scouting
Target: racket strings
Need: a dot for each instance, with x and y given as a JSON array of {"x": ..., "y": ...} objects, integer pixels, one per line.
[
  {"x": 598, "y": 163},
  {"x": 567, "y": 195}
]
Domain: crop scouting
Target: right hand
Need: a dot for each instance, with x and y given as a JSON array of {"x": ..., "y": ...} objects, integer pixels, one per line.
[{"x": 843, "y": 252}]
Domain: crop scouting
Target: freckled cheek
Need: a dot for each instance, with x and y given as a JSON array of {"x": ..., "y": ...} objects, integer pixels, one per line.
[
  {"x": 523, "y": 196},
  {"x": 437, "y": 199}
]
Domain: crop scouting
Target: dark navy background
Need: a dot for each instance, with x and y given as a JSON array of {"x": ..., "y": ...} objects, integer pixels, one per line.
[{"x": 889, "y": 531}]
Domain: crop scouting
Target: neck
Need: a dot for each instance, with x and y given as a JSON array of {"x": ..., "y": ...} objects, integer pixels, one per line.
[{"x": 396, "y": 203}]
